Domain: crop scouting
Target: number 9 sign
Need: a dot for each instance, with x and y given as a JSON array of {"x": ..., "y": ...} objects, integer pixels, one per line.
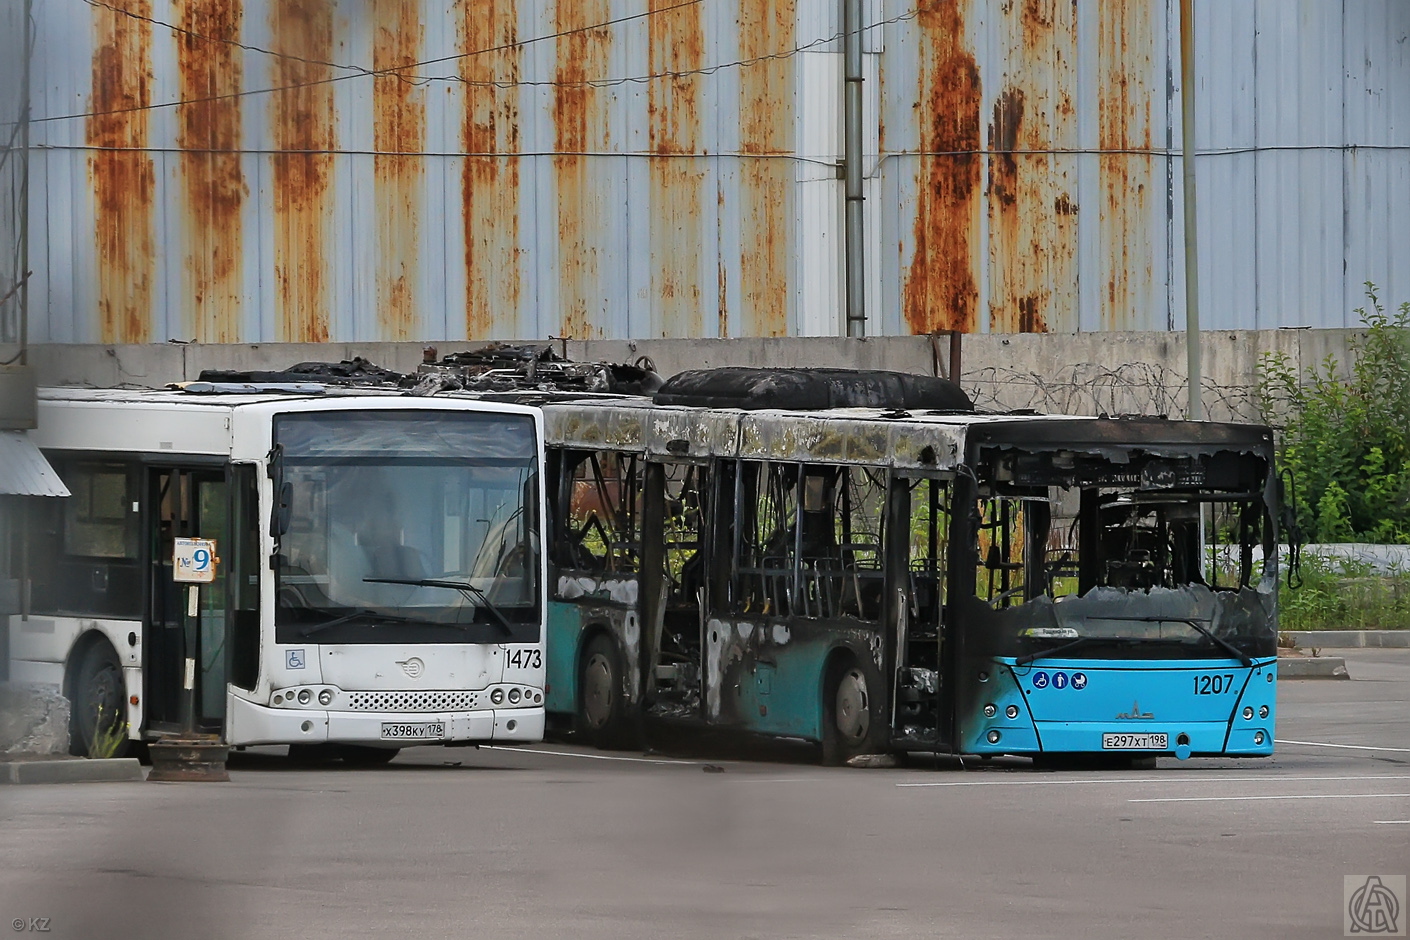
[{"x": 194, "y": 561}]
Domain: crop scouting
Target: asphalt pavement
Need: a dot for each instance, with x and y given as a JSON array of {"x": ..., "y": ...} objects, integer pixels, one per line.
[{"x": 561, "y": 841}]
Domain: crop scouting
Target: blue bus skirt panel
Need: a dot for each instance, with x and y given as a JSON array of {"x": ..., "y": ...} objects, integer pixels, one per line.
[{"x": 1208, "y": 707}]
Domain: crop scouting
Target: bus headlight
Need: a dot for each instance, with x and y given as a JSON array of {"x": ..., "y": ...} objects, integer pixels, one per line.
[
  {"x": 513, "y": 696},
  {"x": 993, "y": 737},
  {"x": 305, "y": 696},
  {"x": 497, "y": 697},
  {"x": 1248, "y": 713},
  {"x": 1263, "y": 711},
  {"x": 325, "y": 697},
  {"x": 990, "y": 711},
  {"x": 1011, "y": 711}
]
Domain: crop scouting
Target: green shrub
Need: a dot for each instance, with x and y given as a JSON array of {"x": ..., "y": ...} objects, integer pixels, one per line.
[{"x": 1346, "y": 437}]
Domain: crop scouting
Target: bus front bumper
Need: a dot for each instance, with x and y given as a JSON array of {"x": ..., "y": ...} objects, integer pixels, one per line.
[
  {"x": 249, "y": 723},
  {"x": 1182, "y": 739}
]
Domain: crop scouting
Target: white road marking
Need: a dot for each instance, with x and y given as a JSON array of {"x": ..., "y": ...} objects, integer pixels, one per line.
[
  {"x": 1302, "y": 796},
  {"x": 1349, "y": 747},
  {"x": 634, "y": 760},
  {"x": 1391, "y": 822},
  {"x": 1203, "y": 777}
]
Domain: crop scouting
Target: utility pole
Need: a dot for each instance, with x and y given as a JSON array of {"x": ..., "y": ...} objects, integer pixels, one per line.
[
  {"x": 854, "y": 247},
  {"x": 1187, "y": 147}
]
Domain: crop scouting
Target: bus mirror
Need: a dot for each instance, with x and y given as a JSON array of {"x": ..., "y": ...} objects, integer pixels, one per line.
[{"x": 283, "y": 508}]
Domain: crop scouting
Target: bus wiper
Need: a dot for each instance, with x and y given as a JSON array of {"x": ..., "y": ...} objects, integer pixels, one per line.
[
  {"x": 1228, "y": 647},
  {"x": 357, "y": 614},
  {"x": 1056, "y": 650},
  {"x": 461, "y": 586},
  {"x": 1083, "y": 640}
]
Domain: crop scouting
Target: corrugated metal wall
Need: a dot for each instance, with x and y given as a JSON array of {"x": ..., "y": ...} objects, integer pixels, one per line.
[
  {"x": 673, "y": 172},
  {"x": 12, "y": 169}
]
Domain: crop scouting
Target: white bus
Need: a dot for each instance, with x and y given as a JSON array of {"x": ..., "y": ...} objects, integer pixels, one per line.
[{"x": 378, "y": 579}]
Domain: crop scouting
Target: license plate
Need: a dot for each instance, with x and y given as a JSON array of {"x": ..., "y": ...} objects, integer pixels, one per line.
[
  {"x": 397, "y": 731},
  {"x": 1133, "y": 742}
]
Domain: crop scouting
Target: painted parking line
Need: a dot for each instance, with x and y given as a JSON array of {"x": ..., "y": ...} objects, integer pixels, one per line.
[
  {"x": 1349, "y": 747},
  {"x": 1268, "y": 796},
  {"x": 1203, "y": 777},
  {"x": 632, "y": 760}
]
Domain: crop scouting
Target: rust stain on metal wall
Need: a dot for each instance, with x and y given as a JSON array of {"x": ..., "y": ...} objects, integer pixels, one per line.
[
  {"x": 1126, "y": 46},
  {"x": 123, "y": 179},
  {"x": 581, "y": 116},
  {"x": 941, "y": 291},
  {"x": 304, "y": 120},
  {"x": 399, "y": 130},
  {"x": 213, "y": 182},
  {"x": 490, "y": 204},
  {"x": 1032, "y": 244},
  {"x": 766, "y": 215},
  {"x": 676, "y": 44}
]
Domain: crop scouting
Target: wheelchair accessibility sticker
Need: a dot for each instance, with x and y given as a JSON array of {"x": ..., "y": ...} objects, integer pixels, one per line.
[{"x": 294, "y": 659}]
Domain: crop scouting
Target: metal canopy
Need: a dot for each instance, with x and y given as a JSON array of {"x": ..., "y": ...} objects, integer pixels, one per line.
[{"x": 23, "y": 469}]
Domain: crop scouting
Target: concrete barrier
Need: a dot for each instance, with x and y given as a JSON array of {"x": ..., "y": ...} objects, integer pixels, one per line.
[
  {"x": 76, "y": 770},
  {"x": 1351, "y": 639},
  {"x": 34, "y": 719},
  {"x": 1312, "y": 667}
]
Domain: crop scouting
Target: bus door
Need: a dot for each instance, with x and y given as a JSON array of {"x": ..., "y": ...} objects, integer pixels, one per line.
[
  {"x": 187, "y": 621},
  {"x": 921, "y": 709},
  {"x": 674, "y": 523}
]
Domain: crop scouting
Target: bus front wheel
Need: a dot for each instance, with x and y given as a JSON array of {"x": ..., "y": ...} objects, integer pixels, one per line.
[
  {"x": 98, "y": 720},
  {"x": 851, "y": 724},
  {"x": 602, "y": 709}
]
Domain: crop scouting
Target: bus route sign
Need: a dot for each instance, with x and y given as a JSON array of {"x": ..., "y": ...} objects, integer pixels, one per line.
[{"x": 194, "y": 561}]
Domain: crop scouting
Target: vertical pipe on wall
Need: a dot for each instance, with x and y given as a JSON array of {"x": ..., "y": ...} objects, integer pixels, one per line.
[
  {"x": 1187, "y": 147},
  {"x": 23, "y": 267},
  {"x": 854, "y": 247}
]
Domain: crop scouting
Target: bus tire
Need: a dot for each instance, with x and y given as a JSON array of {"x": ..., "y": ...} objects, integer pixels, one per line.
[
  {"x": 602, "y": 707},
  {"x": 97, "y": 688},
  {"x": 852, "y": 719},
  {"x": 360, "y": 755}
]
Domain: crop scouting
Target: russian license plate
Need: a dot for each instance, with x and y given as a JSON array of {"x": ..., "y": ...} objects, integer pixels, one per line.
[
  {"x": 1117, "y": 741},
  {"x": 398, "y": 731}
]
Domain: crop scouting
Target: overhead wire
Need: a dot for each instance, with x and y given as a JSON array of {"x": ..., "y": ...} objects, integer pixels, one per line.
[{"x": 388, "y": 71}]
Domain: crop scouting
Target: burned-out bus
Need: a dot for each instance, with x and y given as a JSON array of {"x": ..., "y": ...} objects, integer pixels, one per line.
[{"x": 863, "y": 561}]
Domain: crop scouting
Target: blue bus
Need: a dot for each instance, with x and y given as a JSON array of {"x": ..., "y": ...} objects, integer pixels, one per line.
[{"x": 862, "y": 561}]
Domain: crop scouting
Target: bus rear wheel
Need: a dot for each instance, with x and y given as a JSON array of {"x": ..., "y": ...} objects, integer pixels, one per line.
[
  {"x": 602, "y": 710},
  {"x": 98, "y": 719},
  {"x": 851, "y": 725}
]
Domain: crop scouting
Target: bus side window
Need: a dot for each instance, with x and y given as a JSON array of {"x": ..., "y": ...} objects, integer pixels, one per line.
[
  {"x": 87, "y": 551},
  {"x": 242, "y": 578},
  {"x": 601, "y": 521}
]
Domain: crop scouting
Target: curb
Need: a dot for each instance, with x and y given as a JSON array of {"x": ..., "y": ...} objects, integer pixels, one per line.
[
  {"x": 1352, "y": 639},
  {"x": 1315, "y": 667},
  {"x": 116, "y": 769}
]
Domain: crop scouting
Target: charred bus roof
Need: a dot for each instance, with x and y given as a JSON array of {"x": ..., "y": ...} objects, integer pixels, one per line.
[{"x": 842, "y": 416}]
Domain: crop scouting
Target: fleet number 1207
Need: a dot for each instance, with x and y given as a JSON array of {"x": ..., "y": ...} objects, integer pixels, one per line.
[{"x": 1213, "y": 684}]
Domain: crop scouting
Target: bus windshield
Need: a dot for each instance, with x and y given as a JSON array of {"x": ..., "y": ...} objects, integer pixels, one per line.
[
  {"x": 400, "y": 526},
  {"x": 1151, "y": 558}
]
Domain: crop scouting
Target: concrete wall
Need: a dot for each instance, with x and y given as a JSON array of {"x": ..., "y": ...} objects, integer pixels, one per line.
[{"x": 1084, "y": 373}]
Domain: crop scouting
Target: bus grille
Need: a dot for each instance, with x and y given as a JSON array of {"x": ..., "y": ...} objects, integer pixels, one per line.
[{"x": 451, "y": 700}]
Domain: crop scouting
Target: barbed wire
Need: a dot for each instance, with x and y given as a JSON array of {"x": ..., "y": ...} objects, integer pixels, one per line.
[{"x": 1090, "y": 388}]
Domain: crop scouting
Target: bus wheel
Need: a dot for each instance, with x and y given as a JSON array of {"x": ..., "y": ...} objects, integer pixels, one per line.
[
  {"x": 363, "y": 756},
  {"x": 99, "y": 705},
  {"x": 601, "y": 709},
  {"x": 850, "y": 725}
]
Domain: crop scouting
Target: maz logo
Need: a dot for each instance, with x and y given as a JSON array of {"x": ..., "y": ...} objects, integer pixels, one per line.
[{"x": 1135, "y": 712}]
